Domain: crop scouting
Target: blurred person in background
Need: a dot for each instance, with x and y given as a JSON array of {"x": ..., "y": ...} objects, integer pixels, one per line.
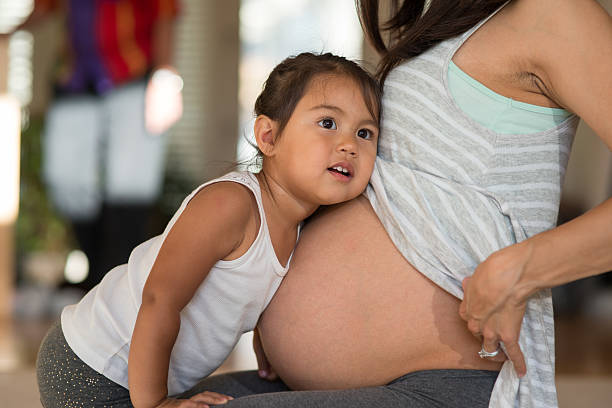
[{"x": 116, "y": 93}]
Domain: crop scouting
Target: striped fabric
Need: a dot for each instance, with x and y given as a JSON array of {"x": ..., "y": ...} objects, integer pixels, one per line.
[{"x": 450, "y": 192}]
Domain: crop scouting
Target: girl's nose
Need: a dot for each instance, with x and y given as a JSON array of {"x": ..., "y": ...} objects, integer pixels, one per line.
[{"x": 347, "y": 145}]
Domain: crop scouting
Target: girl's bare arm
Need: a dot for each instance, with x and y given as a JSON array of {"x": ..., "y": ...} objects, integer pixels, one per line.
[{"x": 212, "y": 227}]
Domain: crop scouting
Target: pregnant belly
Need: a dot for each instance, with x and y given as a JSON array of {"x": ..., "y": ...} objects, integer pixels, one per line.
[{"x": 352, "y": 312}]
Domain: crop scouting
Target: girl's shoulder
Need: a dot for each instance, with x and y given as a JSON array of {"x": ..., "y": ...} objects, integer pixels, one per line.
[
  {"x": 225, "y": 199},
  {"x": 231, "y": 202},
  {"x": 219, "y": 222}
]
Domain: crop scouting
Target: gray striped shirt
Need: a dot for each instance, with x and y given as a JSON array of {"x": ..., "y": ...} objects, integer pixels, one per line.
[{"x": 450, "y": 192}]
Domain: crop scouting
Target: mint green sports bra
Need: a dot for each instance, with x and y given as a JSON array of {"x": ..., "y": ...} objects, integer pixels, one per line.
[{"x": 497, "y": 112}]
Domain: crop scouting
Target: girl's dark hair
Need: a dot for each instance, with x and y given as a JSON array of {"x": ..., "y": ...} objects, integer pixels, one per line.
[
  {"x": 287, "y": 84},
  {"x": 413, "y": 29}
]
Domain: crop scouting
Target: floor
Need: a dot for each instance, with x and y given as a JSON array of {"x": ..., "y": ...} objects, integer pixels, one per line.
[
  {"x": 584, "y": 362},
  {"x": 19, "y": 341}
]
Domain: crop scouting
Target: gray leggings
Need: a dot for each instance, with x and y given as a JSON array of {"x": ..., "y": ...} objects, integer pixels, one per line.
[
  {"x": 421, "y": 389},
  {"x": 64, "y": 380}
]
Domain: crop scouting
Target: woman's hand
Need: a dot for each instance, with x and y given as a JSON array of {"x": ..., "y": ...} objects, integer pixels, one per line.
[
  {"x": 200, "y": 400},
  {"x": 264, "y": 369},
  {"x": 494, "y": 302}
]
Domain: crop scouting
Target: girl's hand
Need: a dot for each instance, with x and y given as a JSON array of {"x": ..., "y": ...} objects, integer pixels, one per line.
[
  {"x": 494, "y": 302},
  {"x": 265, "y": 370},
  {"x": 200, "y": 400}
]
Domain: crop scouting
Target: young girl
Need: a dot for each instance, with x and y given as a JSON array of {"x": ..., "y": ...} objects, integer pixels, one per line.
[{"x": 172, "y": 314}]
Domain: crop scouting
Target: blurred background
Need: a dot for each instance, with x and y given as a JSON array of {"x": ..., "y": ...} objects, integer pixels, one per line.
[{"x": 217, "y": 58}]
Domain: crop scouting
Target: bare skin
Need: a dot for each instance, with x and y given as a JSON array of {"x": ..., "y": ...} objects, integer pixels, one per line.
[
  {"x": 357, "y": 313},
  {"x": 352, "y": 311}
]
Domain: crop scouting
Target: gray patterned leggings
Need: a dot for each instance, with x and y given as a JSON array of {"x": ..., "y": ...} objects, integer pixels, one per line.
[{"x": 65, "y": 381}]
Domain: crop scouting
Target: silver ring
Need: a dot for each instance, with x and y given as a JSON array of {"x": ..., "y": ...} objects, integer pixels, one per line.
[{"x": 485, "y": 354}]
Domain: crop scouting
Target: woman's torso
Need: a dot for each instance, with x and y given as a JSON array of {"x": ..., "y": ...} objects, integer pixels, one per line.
[{"x": 352, "y": 311}]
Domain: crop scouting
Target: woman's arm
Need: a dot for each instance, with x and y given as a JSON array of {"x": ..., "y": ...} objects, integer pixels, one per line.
[
  {"x": 212, "y": 227},
  {"x": 571, "y": 54}
]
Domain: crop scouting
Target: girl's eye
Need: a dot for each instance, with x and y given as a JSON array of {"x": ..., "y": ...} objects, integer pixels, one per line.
[
  {"x": 364, "y": 133},
  {"x": 327, "y": 123}
]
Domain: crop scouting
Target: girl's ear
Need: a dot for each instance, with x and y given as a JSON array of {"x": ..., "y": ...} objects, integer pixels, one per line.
[{"x": 265, "y": 134}]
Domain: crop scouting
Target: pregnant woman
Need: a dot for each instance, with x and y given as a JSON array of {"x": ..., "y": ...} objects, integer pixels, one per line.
[{"x": 481, "y": 101}]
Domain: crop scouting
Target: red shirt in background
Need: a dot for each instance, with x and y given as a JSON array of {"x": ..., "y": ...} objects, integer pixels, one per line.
[{"x": 110, "y": 42}]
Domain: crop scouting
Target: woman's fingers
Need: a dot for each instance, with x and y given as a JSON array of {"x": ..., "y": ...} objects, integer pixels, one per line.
[
  {"x": 518, "y": 359},
  {"x": 476, "y": 305},
  {"x": 463, "y": 306},
  {"x": 510, "y": 319},
  {"x": 472, "y": 323},
  {"x": 474, "y": 327},
  {"x": 490, "y": 342},
  {"x": 492, "y": 307},
  {"x": 503, "y": 326}
]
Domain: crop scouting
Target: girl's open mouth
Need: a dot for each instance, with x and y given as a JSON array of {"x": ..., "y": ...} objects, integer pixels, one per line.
[{"x": 343, "y": 173}]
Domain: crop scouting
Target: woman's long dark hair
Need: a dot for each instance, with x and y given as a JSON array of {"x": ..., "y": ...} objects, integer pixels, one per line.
[{"x": 412, "y": 30}]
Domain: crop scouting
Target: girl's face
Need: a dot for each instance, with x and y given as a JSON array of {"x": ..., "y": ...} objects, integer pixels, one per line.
[{"x": 326, "y": 152}]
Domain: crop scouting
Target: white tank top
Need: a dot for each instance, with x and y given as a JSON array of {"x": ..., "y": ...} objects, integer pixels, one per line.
[{"x": 227, "y": 304}]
